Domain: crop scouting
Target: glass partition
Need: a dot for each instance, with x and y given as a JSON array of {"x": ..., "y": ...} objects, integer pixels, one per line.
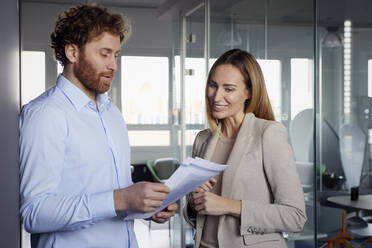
[
  {"x": 317, "y": 63},
  {"x": 343, "y": 118},
  {"x": 282, "y": 40}
]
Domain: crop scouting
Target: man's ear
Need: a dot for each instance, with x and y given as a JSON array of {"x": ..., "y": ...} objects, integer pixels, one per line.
[{"x": 72, "y": 53}]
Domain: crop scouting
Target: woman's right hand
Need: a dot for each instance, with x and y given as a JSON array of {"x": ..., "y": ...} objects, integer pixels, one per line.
[{"x": 205, "y": 187}]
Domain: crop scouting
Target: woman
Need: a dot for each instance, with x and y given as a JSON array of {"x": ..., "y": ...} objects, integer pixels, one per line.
[{"x": 259, "y": 195}]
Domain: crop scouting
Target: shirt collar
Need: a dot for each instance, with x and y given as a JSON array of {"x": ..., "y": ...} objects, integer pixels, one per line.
[
  {"x": 77, "y": 97},
  {"x": 103, "y": 101}
]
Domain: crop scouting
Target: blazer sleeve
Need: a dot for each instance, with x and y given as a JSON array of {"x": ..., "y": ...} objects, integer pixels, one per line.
[{"x": 287, "y": 212}]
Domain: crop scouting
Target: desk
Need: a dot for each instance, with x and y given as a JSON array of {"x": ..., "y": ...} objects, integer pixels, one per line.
[{"x": 364, "y": 202}]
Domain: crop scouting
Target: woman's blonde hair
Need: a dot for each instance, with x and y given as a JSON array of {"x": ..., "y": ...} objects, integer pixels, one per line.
[{"x": 259, "y": 103}]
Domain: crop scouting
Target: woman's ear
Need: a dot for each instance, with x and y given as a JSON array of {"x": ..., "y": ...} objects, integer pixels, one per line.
[{"x": 72, "y": 53}]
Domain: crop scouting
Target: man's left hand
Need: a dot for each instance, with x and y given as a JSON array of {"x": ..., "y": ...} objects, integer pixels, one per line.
[{"x": 166, "y": 214}]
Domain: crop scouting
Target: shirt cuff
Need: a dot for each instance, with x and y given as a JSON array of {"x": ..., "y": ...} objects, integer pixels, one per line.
[{"x": 102, "y": 205}]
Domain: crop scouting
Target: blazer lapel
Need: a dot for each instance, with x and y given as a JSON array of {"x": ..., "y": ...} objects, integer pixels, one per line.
[
  {"x": 242, "y": 142},
  {"x": 240, "y": 147},
  {"x": 212, "y": 142}
]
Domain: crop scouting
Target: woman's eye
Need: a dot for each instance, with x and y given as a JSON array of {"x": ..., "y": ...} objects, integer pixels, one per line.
[
  {"x": 212, "y": 85},
  {"x": 229, "y": 89}
]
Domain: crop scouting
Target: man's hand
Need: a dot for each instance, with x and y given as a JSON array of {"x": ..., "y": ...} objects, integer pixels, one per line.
[
  {"x": 142, "y": 197},
  {"x": 166, "y": 214}
]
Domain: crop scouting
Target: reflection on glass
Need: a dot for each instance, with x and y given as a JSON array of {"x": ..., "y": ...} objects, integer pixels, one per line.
[
  {"x": 145, "y": 82},
  {"x": 32, "y": 75},
  {"x": 301, "y": 85}
]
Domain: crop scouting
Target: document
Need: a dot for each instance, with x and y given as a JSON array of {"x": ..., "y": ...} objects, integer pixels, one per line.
[{"x": 189, "y": 175}]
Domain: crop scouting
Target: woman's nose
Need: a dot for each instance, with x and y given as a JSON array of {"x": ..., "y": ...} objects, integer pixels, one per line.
[{"x": 218, "y": 95}]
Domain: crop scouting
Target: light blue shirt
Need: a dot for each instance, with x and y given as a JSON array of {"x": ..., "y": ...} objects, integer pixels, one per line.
[{"x": 72, "y": 157}]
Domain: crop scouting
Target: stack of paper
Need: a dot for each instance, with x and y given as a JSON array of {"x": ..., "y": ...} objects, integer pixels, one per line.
[{"x": 189, "y": 175}]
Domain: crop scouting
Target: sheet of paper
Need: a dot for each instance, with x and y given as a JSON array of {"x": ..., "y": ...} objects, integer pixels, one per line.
[{"x": 189, "y": 175}]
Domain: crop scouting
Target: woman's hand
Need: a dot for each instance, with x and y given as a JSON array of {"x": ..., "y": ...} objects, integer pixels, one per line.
[
  {"x": 205, "y": 187},
  {"x": 207, "y": 203},
  {"x": 166, "y": 214}
]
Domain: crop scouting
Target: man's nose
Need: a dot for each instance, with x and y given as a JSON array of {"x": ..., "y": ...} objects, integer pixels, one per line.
[{"x": 113, "y": 65}]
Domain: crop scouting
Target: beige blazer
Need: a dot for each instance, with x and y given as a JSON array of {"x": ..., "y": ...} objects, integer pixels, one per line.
[{"x": 262, "y": 174}]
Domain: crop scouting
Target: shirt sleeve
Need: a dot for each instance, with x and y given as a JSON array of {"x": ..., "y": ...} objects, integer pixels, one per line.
[
  {"x": 42, "y": 142},
  {"x": 287, "y": 212}
]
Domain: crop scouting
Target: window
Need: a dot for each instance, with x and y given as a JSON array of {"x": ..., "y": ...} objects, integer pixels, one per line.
[
  {"x": 190, "y": 136},
  {"x": 32, "y": 75},
  {"x": 149, "y": 138},
  {"x": 271, "y": 70},
  {"x": 33, "y": 84},
  {"x": 144, "y": 91},
  {"x": 301, "y": 85},
  {"x": 59, "y": 68},
  {"x": 194, "y": 88}
]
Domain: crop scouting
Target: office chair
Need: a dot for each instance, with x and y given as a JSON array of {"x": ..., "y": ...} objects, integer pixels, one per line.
[
  {"x": 160, "y": 170},
  {"x": 150, "y": 166}
]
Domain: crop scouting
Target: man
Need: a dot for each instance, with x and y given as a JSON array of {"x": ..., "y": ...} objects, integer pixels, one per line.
[{"x": 76, "y": 185}]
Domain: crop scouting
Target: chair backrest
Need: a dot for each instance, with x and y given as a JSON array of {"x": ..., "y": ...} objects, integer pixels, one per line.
[
  {"x": 301, "y": 135},
  {"x": 150, "y": 166},
  {"x": 352, "y": 146},
  {"x": 164, "y": 167}
]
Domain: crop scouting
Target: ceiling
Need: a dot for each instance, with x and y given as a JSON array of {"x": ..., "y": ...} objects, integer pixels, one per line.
[
  {"x": 294, "y": 12},
  {"x": 116, "y": 3}
]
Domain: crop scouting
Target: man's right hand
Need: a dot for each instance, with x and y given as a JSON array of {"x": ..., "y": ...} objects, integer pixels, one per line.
[{"x": 141, "y": 197}]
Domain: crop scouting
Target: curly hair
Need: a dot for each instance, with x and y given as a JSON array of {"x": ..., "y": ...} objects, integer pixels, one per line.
[{"x": 80, "y": 24}]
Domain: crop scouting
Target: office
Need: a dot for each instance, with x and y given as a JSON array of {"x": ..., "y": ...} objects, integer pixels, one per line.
[{"x": 302, "y": 68}]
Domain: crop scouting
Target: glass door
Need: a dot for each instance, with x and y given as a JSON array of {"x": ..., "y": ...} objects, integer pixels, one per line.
[
  {"x": 193, "y": 66},
  {"x": 344, "y": 124},
  {"x": 281, "y": 39}
]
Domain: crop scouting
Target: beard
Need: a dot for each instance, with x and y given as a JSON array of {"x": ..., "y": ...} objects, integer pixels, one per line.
[{"x": 92, "y": 79}]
